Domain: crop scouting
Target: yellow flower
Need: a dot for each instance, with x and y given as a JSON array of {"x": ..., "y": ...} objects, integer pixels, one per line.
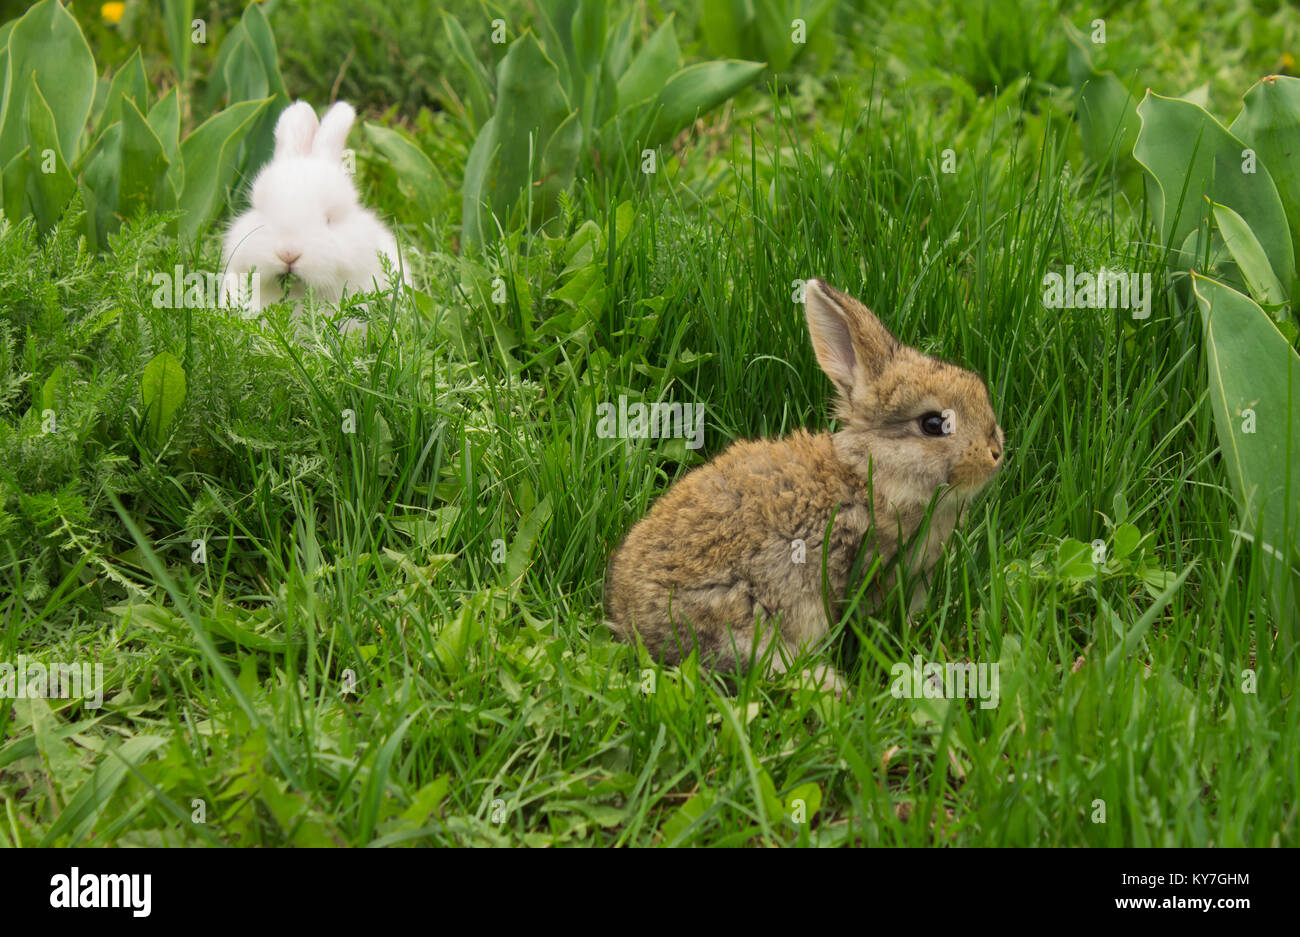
[
  {"x": 112, "y": 12},
  {"x": 1288, "y": 61}
]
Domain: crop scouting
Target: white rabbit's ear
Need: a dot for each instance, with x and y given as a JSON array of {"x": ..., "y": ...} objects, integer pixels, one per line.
[
  {"x": 333, "y": 131},
  {"x": 295, "y": 130}
]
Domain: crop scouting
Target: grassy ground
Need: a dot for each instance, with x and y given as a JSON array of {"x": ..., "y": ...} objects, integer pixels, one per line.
[{"x": 395, "y": 636}]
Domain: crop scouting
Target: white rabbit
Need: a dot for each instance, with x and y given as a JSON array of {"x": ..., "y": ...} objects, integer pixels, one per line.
[{"x": 304, "y": 219}]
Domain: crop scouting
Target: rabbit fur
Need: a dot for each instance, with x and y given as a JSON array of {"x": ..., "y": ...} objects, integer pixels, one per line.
[{"x": 711, "y": 566}]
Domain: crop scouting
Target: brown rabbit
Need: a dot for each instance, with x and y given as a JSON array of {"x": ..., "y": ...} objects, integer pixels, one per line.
[{"x": 716, "y": 563}]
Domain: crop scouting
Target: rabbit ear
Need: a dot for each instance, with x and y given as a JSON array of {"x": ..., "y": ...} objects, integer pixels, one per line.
[
  {"x": 333, "y": 131},
  {"x": 846, "y": 336},
  {"x": 294, "y": 130}
]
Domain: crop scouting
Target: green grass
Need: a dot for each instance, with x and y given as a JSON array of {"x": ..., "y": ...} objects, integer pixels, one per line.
[{"x": 396, "y": 637}]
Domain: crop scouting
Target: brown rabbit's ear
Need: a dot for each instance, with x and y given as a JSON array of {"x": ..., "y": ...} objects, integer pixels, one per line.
[
  {"x": 846, "y": 336},
  {"x": 294, "y": 130}
]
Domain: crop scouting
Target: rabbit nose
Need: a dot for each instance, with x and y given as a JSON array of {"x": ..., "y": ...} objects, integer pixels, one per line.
[{"x": 288, "y": 256}]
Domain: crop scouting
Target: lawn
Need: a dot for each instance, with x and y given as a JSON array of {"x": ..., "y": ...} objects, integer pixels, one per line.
[{"x": 346, "y": 585}]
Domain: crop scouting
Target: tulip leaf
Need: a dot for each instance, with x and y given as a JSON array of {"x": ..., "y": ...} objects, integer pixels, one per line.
[
  {"x": 1108, "y": 119},
  {"x": 1189, "y": 155},
  {"x": 1254, "y": 381},
  {"x": 531, "y": 106},
  {"x": 13, "y": 184},
  {"x": 162, "y": 391},
  {"x": 1249, "y": 256},
  {"x": 48, "y": 44},
  {"x": 695, "y": 90},
  {"x": 657, "y": 61},
  {"x": 1269, "y": 123},
  {"x": 129, "y": 84},
  {"x": 209, "y": 156},
  {"x": 414, "y": 170},
  {"x": 177, "y": 18},
  {"x": 51, "y": 184},
  {"x": 143, "y": 164},
  {"x": 478, "y": 82}
]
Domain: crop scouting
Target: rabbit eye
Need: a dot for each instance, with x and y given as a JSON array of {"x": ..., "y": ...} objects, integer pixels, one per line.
[{"x": 931, "y": 424}]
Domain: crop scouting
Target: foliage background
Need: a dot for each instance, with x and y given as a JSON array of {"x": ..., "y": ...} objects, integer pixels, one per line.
[{"x": 449, "y": 554}]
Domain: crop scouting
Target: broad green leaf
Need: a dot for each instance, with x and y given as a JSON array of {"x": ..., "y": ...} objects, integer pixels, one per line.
[
  {"x": 1156, "y": 580},
  {"x": 415, "y": 171},
  {"x": 651, "y": 68},
  {"x": 476, "y": 200},
  {"x": 772, "y": 24},
  {"x": 1255, "y": 390},
  {"x": 771, "y": 807},
  {"x": 78, "y": 817},
  {"x": 694, "y": 91},
  {"x": 477, "y": 80},
  {"x": 1108, "y": 119},
  {"x": 618, "y": 54},
  {"x": 559, "y": 160},
  {"x": 588, "y": 35},
  {"x": 688, "y": 814},
  {"x": 130, "y": 83},
  {"x": 810, "y": 794},
  {"x": 177, "y": 17},
  {"x": 100, "y": 174},
  {"x": 1200, "y": 95},
  {"x": 812, "y": 13},
  {"x": 165, "y": 119},
  {"x": 618, "y": 47},
  {"x": 162, "y": 391},
  {"x": 262, "y": 42},
  {"x": 1269, "y": 123},
  {"x": 521, "y": 550},
  {"x": 1125, "y": 541},
  {"x": 585, "y": 292},
  {"x": 722, "y": 22},
  {"x": 246, "y": 67},
  {"x": 1217, "y": 258},
  {"x": 13, "y": 185},
  {"x": 209, "y": 158},
  {"x": 531, "y": 105},
  {"x": 50, "y": 183},
  {"x": 426, "y": 800},
  {"x": 1071, "y": 552},
  {"x": 1249, "y": 256},
  {"x": 1182, "y": 147},
  {"x": 144, "y": 164},
  {"x": 556, "y": 27},
  {"x": 242, "y": 72},
  {"x": 251, "y": 71},
  {"x": 461, "y": 633},
  {"x": 54, "y": 388},
  {"x": 59, "y": 757},
  {"x": 48, "y": 43}
]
